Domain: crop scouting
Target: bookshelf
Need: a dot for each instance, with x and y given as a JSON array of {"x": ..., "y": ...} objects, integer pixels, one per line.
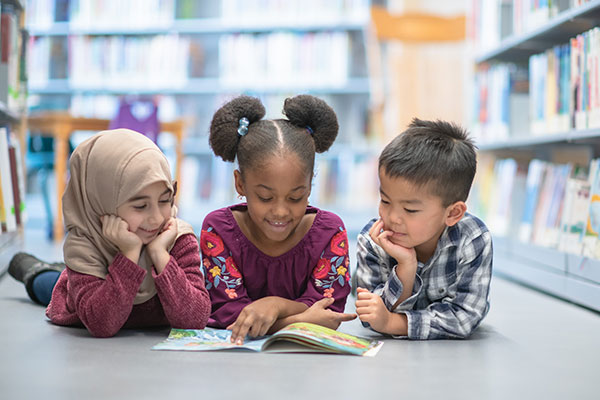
[
  {"x": 12, "y": 129},
  {"x": 196, "y": 55},
  {"x": 536, "y": 125}
]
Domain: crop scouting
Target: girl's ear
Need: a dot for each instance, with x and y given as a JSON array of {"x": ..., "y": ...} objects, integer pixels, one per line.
[
  {"x": 455, "y": 212},
  {"x": 239, "y": 182}
]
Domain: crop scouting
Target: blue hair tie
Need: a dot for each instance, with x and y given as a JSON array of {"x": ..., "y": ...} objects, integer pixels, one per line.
[
  {"x": 243, "y": 126},
  {"x": 309, "y": 129}
]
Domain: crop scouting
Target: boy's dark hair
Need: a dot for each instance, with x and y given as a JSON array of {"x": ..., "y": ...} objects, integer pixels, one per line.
[
  {"x": 435, "y": 153},
  {"x": 311, "y": 126}
]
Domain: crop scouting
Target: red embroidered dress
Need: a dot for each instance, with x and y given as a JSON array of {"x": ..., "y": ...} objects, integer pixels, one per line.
[{"x": 236, "y": 272}]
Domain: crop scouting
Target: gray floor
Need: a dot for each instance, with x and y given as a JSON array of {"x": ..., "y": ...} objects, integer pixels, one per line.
[{"x": 530, "y": 346}]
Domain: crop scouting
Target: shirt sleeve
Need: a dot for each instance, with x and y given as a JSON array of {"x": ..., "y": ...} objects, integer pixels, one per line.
[
  {"x": 180, "y": 286},
  {"x": 331, "y": 276},
  {"x": 222, "y": 279},
  {"x": 103, "y": 305},
  {"x": 457, "y": 309}
]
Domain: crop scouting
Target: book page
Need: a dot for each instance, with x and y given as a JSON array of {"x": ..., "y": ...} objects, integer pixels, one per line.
[
  {"x": 298, "y": 338},
  {"x": 326, "y": 339},
  {"x": 205, "y": 339}
]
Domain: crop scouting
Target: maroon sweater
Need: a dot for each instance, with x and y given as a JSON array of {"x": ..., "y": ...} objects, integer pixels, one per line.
[{"x": 105, "y": 306}]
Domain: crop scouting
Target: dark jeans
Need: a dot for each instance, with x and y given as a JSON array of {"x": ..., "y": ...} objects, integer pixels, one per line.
[{"x": 43, "y": 284}]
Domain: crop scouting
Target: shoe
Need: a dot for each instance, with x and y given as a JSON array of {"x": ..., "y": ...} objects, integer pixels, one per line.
[{"x": 25, "y": 267}]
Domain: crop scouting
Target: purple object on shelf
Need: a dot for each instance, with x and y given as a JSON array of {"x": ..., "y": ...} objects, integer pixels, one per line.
[{"x": 140, "y": 115}]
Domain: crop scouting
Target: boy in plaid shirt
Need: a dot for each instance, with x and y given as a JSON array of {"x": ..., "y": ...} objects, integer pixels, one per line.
[{"x": 424, "y": 266}]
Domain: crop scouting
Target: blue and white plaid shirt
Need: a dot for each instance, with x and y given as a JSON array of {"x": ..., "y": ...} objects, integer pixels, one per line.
[{"x": 450, "y": 293}]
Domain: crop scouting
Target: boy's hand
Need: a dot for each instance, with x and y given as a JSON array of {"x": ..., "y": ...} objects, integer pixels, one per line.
[
  {"x": 381, "y": 237},
  {"x": 370, "y": 308},
  {"x": 320, "y": 315},
  {"x": 116, "y": 231},
  {"x": 255, "y": 319}
]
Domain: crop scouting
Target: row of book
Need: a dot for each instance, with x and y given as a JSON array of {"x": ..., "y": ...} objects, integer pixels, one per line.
[
  {"x": 12, "y": 54},
  {"x": 551, "y": 204},
  {"x": 12, "y": 182},
  {"x": 140, "y": 14},
  {"x": 564, "y": 85},
  {"x": 500, "y": 102},
  {"x": 113, "y": 61},
  {"x": 278, "y": 59},
  {"x": 248, "y": 12},
  {"x": 559, "y": 92},
  {"x": 101, "y": 14},
  {"x": 270, "y": 60},
  {"x": 495, "y": 20}
]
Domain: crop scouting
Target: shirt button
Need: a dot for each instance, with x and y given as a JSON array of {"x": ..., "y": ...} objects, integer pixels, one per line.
[{"x": 441, "y": 290}]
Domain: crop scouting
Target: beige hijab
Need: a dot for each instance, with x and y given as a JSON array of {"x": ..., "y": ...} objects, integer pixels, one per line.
[{"x": 107, "y": 170}]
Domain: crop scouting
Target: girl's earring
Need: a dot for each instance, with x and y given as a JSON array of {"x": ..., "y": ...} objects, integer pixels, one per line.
[{"x": 240, "y": 197}]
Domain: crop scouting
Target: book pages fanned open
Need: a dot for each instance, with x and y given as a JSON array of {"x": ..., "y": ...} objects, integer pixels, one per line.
[{"x": 300, "y": 337}]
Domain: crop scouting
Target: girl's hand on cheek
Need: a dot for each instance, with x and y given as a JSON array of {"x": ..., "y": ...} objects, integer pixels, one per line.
[
  {"x": 165, "y": 238},
  {"x": 116, "y": 231}
]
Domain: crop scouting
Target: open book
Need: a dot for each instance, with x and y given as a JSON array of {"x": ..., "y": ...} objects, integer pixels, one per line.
[{"x": 311, "y": 337}]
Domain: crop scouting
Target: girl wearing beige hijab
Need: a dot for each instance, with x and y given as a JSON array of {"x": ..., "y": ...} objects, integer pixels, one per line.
[{"x": 129, "y": 262}]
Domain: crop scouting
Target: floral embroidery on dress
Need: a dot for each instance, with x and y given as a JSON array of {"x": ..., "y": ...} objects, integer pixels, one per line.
[
  {"x": 217, "y": 269},
  {"x": 339, "y": 243},
  {"x": 210, "y": 243},
  {"x": 329, "y": 271}
]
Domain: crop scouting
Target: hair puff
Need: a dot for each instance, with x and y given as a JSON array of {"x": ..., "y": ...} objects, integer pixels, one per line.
[
  {"x": 223, "y": 137},
  {"x": 309, "y": 111}
]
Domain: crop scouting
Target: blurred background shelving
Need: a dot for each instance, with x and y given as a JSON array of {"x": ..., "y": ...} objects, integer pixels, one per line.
[
  {"x": 13, "y": 125},
  {"x": 85, "y": 56},
  {"x": 536, "y": 109},
  {"x": 191, "y": 57}
]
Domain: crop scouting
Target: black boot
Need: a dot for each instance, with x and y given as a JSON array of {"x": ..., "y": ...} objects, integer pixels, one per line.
[{"x": 25, "y": 267}]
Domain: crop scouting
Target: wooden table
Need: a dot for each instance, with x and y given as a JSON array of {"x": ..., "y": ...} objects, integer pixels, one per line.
[{"x": 61, "y": 126}]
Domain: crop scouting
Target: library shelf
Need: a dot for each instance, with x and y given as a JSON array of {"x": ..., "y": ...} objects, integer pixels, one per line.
[
  {"x": 12, "y": 120},
  {"x": 201, "y": 26},
  {"x": 567, "y": 276},
  {"x": 200, "y": 86},
  {"x": 212, "y": 38},
  {"x": 525, "y": 142},
  {"x": 10, "y": 243},
  {"x": 562, "y": 274},
  {"x": 566, "y": 24}
]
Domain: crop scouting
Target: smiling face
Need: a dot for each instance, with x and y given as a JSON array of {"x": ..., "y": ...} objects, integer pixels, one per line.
[
  {"x": 147, "y": 211},
  {"x": 415, "y": 216},
  {"x": 277, "y": 196}
]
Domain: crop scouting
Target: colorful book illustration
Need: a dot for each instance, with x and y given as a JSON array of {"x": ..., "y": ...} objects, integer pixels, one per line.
[{"x": 299, "y": 337}]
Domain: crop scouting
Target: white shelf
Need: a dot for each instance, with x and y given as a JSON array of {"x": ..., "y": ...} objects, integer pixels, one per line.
[
  {"x": 569, "y": 277},
  {"x": 519, "y": 142},
  {"x": 203, "y": 26},
  {"x": 568, "y": 23},
  {"x": 203, "y": 86}
]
